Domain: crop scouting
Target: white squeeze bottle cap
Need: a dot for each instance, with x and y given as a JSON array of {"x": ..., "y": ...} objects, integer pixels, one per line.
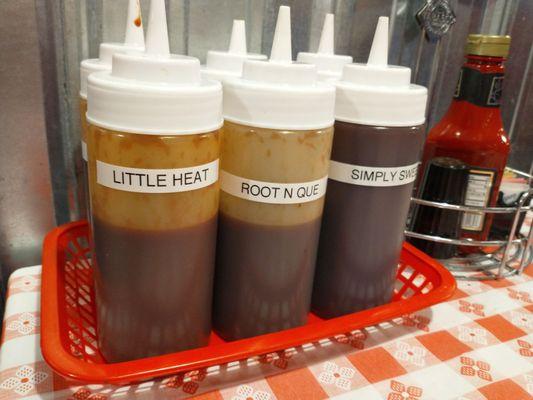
[
  {"x": 379, "y": 94},
  {"x": 154, "y": 92},
  {"x": 228, "y": 64},
  {"x": 279, "y": 93},
  {"x": 329, "y": 65},
  {"x": 133, "y": 40}
]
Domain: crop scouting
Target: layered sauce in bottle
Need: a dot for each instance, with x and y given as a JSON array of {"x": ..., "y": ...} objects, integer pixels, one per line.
[
  {"x": 266, "y": 251},
  {"x": 154, "y": 251},
  {"x": 276, "y": 144},
  {"x": 153, "y": 146}
]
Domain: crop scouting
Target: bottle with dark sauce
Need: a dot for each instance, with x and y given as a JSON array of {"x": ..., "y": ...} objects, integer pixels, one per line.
[
  {"x": 133, "y": 41},
  {"x": 379, "y": 133},
  {"x": 153, "y": 146},
  {"x": 276, "y": 144}
]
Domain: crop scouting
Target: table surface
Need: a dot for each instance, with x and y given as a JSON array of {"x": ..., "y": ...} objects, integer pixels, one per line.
[{"x": 478, "y": 345}]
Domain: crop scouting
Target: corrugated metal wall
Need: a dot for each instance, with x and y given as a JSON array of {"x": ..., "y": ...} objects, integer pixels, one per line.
[{"x": 43, "y": 41}]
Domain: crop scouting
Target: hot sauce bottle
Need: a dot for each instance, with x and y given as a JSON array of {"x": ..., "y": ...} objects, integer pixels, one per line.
[
  {"x": 133, "y": 40},
  {"x": 153, "y": 146},
  {"x": 275, "y": 150},
  {"x": 472, "y": 129}
]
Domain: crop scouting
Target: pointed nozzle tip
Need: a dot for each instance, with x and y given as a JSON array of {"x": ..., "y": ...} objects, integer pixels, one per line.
[
  {"x": 237, "y": 44},
  {"x": 380, "y": 45},
  {"x": 282, "y": 43},
  {"x": 284, "y": 11},
  {"x": 327, "y": 38},
  {"x": 157, "y": 34},
  {"x": 134, "y": 34}
]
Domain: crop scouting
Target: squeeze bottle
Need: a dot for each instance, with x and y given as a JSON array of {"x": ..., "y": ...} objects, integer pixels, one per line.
[
  {"x": 379, "y": 133},
  {"x": 153, "y": 172},
  {"x": 276, "y": 144}
]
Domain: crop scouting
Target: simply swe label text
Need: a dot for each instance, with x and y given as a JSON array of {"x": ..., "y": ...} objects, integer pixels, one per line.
[
  {"x": 372, "y": 176},
  {"x": 143, "y": 180},
  {"x": 270, "y": 192}
]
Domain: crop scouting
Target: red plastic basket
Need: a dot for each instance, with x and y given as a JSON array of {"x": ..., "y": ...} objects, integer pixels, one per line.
[{"x": 69, "y": 332}]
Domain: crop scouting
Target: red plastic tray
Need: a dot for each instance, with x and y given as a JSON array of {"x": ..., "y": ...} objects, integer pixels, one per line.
[{"x": 69, "y": 332}]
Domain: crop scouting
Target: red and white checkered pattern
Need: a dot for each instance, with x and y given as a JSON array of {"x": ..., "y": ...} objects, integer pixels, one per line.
[{"x": 478, "y": 345}]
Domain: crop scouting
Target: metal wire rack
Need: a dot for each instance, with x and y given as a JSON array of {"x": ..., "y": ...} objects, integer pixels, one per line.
[{"x": 511, "y": 255}]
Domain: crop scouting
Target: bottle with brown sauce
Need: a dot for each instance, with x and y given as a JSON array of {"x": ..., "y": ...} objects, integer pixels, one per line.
[
  {"x": 153, "y": 145},
  {"x": 133, "y": 40},
  {"x": 276, "y": 144},
  {"x": 379, "y": 133}
]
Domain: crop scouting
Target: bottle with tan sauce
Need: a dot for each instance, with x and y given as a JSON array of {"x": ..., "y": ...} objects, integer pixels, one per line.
[
  {"x": 133, "y": 40},
  {"x": 153, "y": 146},
  {"x": 221, "y": 65},
  {"x": 276, "y": 144},
  {"x": 379, "y": 133},
  {"x": 329, "y": 65}
]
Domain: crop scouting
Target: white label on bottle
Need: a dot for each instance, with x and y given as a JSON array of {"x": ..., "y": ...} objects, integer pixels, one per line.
[
  {"x": 143, "y": 180},
  {"x": 270, "y": 192},
  {"x": 477, "y": 194},
  {"x": 372, "y": 176},
  {"x": 84, "y": 151}
]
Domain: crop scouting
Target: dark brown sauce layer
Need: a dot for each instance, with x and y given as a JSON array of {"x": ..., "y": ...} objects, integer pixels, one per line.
[
  {"x": 153, "y": 288},
  {"x": 362, "y": 228},
  {"x": 264, "y": 277}
]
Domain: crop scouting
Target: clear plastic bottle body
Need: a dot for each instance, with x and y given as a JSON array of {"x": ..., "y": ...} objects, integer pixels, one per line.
[
  {"x": 362, "y": 229},
  {"x": 266, "y": 252},
  {"x": 154, "y": 252},
  {"x": 84, "y": 178}
]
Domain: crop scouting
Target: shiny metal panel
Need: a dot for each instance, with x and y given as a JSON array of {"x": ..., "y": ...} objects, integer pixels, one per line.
[
  {"x": 60, "y": 41},
  {"x": 518, "y": 91},
  {"x": 26, "y": 204},
  {"x": 210, "y": 24}
]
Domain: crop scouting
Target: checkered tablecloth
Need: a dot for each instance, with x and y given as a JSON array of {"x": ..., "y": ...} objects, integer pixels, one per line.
[{"x": 479, "y": 345}]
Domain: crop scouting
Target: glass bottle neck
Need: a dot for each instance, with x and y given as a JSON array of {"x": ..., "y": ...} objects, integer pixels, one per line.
[
  {"x": 486, "y": 63},
  {"x": 480, "y": 81}
]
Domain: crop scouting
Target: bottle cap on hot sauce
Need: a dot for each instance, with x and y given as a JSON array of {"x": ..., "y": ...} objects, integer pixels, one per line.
[{"x": 488, "y": 45}]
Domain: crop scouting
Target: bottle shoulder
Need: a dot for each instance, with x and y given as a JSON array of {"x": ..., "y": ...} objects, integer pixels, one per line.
[
  {"x": 448, "y": 130},
  {"x": 462, "y": 129}
]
